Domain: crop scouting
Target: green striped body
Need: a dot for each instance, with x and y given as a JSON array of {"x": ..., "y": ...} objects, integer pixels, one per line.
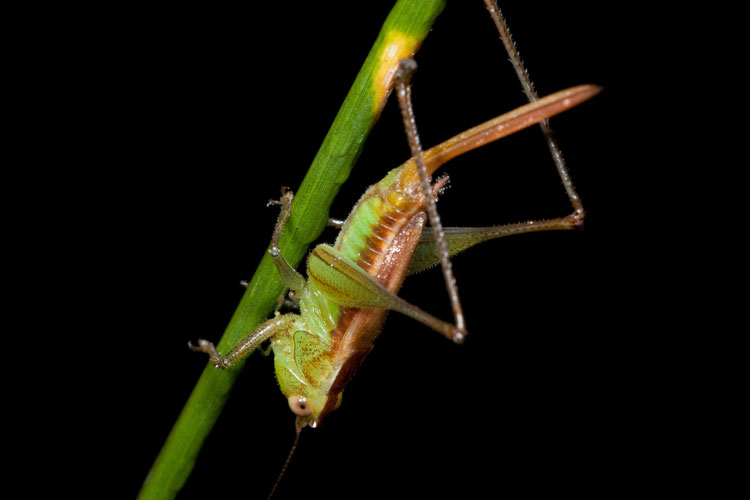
[
  {"x": 330, "y": 337},
  {"x": 351, "y": 285}
]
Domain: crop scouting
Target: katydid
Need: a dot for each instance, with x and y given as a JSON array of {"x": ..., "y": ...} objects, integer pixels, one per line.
[{"x": 353, "y": 284}]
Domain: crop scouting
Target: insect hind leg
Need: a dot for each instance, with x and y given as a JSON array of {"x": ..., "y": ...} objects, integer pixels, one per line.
[
  {"x": 528, "y": 88},
  {"x": 407, "y": 67}
]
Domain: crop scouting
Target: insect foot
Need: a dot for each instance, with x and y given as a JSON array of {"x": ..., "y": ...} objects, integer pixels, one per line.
[
  {"x": 576, "y": 219},
  {"x": 459, "y": 336},
  {"x": 213, "y": 355},
  {"x": 287, "y": 195}
]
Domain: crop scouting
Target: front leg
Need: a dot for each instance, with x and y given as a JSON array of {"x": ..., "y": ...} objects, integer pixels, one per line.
[
  {"x": 248, "y": 344},
  {"x": 291, "y": 278}
]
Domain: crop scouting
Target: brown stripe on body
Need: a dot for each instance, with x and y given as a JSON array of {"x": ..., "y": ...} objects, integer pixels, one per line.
[
  {"x": 357, "y": 328},
  {"x": 390, "y": 264}
]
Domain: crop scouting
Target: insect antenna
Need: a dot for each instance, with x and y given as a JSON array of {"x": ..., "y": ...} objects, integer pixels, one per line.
[
  {"x": 406, "y": 69},
  {"x": 286, "y": 463}
]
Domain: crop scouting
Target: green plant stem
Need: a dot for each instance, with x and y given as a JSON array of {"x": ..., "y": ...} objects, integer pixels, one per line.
[{"x": 410, "y": 20}]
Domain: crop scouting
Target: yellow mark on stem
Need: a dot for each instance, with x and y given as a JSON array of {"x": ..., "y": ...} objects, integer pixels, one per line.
[{"x": 397, "y": 46}]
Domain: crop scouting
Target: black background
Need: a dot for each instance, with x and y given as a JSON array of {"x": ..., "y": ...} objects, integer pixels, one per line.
[{"x": 188, "y": 119}]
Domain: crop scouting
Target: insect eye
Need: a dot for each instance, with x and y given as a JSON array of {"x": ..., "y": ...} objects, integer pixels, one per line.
[{"x": 299, "y": 406}]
